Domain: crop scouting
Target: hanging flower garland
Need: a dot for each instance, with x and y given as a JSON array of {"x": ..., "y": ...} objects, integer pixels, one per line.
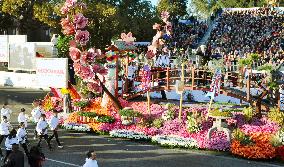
[
  {"x": 85, "y": 65},
  {"x": 163, "y": 33}
]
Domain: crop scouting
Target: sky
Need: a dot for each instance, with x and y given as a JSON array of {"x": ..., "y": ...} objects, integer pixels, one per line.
[{"x": 154, "y": 2}]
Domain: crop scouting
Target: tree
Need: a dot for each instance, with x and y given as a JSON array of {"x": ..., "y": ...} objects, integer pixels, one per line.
[
  {"x": 137, "y": 16},
  {"x": 176, "y": 8}
]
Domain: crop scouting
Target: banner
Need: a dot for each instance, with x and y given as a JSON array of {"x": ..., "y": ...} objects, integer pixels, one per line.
[
  {"x": 22, "y": 56},
  {"x": 52, "y": 72},
  {"x": 4, "y": 48},
  {"x": 216, "y": 84}
]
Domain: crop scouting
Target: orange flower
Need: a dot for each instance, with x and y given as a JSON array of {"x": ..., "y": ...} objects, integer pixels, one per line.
[{"x": 95, "y": 126}]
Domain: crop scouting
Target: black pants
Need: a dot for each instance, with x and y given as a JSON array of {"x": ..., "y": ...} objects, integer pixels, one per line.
[
  {"x": 54, "y": 134},
  {"x": 8, "y": 152},
  {"x": 45, "y": 138},
  {"x": 35, "y": 133},
  {"x": 25, "y": 147},
  {"x": 1, "y": 139}
]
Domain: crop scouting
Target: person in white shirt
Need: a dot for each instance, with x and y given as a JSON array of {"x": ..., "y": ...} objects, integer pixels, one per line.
[
  {"x": 4, "y": 131},
  {"x": 53, "y": 124},
  {"x": 22, "y": 137},
  {"x": 36, "y": 114},
  {"x": 5, "y": 111},
  {"x": 22, "y": 117},
  {"x": 91, "y": 159},
  {"x": 41, "y": 129},
  {"x": 10, "y": 140}
]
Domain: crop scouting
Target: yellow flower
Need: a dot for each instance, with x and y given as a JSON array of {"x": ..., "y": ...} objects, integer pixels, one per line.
[{"x": 64, "y": 91}]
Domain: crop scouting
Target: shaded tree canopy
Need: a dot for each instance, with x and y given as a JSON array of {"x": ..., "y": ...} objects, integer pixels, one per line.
[{"x": 176, "y": 8}]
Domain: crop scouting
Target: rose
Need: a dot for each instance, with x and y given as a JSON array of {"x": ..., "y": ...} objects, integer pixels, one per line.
[
  {"x": 82, "y": 37},
  {"x": 80, "y": 21},
  {"x": 75, "y": 54}
]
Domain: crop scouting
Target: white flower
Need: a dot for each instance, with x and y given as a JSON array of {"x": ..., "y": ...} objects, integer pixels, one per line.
[{"x": 175, "y": 141}]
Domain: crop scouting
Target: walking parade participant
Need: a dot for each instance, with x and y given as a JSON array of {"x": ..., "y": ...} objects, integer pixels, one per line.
[
  {"x": 6, "y": 111},
  {"x": 22, "y": 117},
  {"x": 91, "y": 159},
  {"x": 16, "y": 157},
  {"x": 53, "y": 124},
  {"x": 41, "y": 129},
  {"x": 10, "y": 140},
  {"x": 22, "y": 137},
  {"x": 4, "y": 131},
  {"x": 36, "y": 113}
]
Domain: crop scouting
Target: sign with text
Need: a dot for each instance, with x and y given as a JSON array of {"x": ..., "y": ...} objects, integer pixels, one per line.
[{"x": 52, "y": 72}]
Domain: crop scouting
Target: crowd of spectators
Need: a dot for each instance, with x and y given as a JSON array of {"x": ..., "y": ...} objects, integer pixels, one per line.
[
  {"x": 240, "y": 33},
  {"x": 189, "y": 33}
]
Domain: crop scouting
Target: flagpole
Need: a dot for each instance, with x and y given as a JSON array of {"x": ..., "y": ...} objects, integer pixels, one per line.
[{"x": 181, "y": 95}]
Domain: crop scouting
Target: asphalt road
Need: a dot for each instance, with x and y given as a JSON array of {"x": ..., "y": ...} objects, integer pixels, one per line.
[{"x": 114, "y": 152}]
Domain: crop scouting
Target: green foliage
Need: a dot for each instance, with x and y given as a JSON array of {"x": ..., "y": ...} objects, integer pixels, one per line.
[
  {"x": 157, "y": 123},
  {"x": 88, "y": 114},
  {"x": 265, "y": 67},
  {"x": 82, "y": 103},
  {"x": 99, "y": 118},
  {"x": 63, "y": 46},
  {"x": 106, "y": 119},
  {"x": 146, "y": 121},
  {"x": 175, "y": 8},
  {"x": 129, "y": 113},
  {"x": 192, "y": 125},
  {"x": 218, "y": 113},
  {"x": 240, "y": 136},
  {"x": 170, "y": 113},
  {"x": 248, "y": 113},
  {"x": 276, "y": 116},
  {"x": 249, "y": 60}
]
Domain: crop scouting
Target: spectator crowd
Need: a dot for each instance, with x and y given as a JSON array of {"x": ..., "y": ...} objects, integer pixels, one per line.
[{"x": 243, "y": 32}]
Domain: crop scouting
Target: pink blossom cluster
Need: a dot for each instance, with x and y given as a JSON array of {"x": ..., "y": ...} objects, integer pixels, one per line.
[
  {"x": 260, "y": 125},
  {"x": 162, "y": 30},
  {"x": 85, "y": 65}
]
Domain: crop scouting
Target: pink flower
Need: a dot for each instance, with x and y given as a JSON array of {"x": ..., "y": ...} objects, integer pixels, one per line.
[
  {"x": 80, "y": 21},
  {"x": 75, "y": 54},
  {"x": 165, "y": 15},
  {"x": 64, "y": 10},
  {"x": 70, "y": 3},
  {"x": 82, "y": 37},
  {"x": 157, "y": 26},
  {"x": 94, "y": 87},
  {"x": 86, "y": 72},
  {"x": 67, "y": 26},
  {"x": 97, "y": 53}
]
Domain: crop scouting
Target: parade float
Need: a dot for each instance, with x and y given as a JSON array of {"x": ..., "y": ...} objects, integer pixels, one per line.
[{"x": 239, "y": 131}]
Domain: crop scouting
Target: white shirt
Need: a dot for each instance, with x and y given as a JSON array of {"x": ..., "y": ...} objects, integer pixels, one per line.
[
  {"x": 41, "y": 127},
  {"x": 4, "y": 128},
  {"x": 22, "y": 118},
  {"x": 9, "y": 142},
  {"x": 21, "y": 135},
  {"x": 53, "y": 123},
  {"x": 90, "y": 163},
  {"x": 36, "y": 113},
  {"x": 6, "y": 112}
]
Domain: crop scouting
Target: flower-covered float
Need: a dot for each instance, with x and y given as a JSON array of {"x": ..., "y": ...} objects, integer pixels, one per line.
[{"x": 159, "y": 123}]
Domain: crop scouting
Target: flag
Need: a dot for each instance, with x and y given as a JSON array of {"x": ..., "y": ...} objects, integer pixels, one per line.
[{"x": 215, "y": 84}]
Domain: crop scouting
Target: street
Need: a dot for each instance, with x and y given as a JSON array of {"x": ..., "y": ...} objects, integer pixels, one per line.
[{"x": 114, "y": 152}]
